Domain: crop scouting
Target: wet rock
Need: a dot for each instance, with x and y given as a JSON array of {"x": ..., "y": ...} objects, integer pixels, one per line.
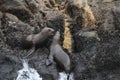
[
  {"x": 39, "y": 63},
  {"x": 8, "y": 68}
]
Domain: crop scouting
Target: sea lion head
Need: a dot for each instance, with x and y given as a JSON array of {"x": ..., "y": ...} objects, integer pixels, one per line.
[{"x": 48, "y": 31}]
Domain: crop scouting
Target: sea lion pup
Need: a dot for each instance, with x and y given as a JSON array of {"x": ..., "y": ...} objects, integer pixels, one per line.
[
  {"x": 89, "y": 34},
  {"x": 37, "y": 40},
  {"x": 57, "y": 53}
]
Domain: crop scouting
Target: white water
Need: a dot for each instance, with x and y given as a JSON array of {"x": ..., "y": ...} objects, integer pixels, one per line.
[
  {"x": 28, "y": 73},
  {"x": 63, "y": 76}
]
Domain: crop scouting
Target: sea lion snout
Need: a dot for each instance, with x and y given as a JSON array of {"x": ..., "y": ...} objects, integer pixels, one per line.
[
  {"x": 51, "y": 31},
  {"x": 48, "y": 31}
]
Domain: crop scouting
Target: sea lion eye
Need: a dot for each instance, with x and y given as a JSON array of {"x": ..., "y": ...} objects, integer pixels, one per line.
[{"x": 49, "y": 30}]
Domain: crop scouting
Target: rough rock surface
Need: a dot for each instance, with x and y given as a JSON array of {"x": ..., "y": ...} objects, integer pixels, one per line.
[{"x": 91, "y": 59}]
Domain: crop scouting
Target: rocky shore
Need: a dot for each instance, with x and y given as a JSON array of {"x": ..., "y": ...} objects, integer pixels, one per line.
[{"x": 91, "y": 59}]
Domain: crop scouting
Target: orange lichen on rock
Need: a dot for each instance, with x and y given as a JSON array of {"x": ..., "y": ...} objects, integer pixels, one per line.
[
  {"x": 89, "y": 19},
  {"x": 88, "y": 16},
  {"x": 67, "y": 43}
]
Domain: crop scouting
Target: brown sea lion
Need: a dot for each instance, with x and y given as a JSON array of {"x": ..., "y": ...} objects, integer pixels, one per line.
[
  {"x": 57, "y": 53},
  {"x": 34, "y": 41}
]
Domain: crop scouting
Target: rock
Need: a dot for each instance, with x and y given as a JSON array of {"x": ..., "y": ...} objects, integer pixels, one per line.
[
  {"x": 107, "y": 1},
  {"x": 55, "y": 20},
  {"x": 17, "y": 34},
  {"x": 82, "y": 69},
  {"x": 94, "y": 60},
  {"x": 75, "y": 14},
  {"x": 1, "y": 14},
  {"x": 14, "y": 29},
  {"x": 39, "y": 61},
  {"x": 116, "y": 13},
  {"x": 32, "y": 5},
  {"x": 0, "y": 23},
  {"x": 47, "y": 3},
  {"x": 11, "y": 17},
  {"x": 105, "y": 59},
  {"x": 17, "y": 8},
  {"x": 8, "y": 68}
]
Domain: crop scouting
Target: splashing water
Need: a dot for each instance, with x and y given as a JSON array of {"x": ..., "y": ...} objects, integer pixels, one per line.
[
  {"x": 64, "y": 76},
  {"x": 28, "y": 73}
]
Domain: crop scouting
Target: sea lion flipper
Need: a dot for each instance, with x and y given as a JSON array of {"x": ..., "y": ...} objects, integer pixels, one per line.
[{"x": 49, "y": 61}]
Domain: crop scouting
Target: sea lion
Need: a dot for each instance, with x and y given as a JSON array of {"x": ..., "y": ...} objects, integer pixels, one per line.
[
  {"x": 57, "y": 53},
  {"x": 34, "y": 41}
]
